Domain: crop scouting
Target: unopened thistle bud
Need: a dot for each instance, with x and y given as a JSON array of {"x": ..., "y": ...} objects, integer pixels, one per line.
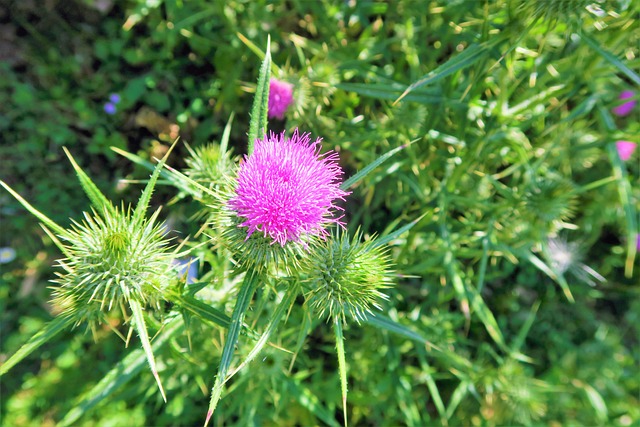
[
  {"x": 109, "y": 261},
  {"x": 344, "y": 277}
]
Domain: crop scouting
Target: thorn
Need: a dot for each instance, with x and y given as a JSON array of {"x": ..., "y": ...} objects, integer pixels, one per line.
[
  {"x": 157, "y": 377},
  {"x": 344, "y": 409},
  {"x": 209, "y": 413}
]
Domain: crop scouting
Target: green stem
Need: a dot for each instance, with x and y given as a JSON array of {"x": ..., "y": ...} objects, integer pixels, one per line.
[
  {"x": 247, "y": 290},
  {"x": 342, "y": 364}
]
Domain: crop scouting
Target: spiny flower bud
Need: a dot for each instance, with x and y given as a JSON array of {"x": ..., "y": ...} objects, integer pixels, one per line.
[
  {"x": 346, "y": 277},
  {"x": 110, "y": 259}
]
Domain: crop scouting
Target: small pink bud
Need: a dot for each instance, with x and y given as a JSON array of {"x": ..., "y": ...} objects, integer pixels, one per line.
[
  {"x": 624, "y": 109},
  {"x": 280, "y": 97},
  {"x": 625, "y": 149}
]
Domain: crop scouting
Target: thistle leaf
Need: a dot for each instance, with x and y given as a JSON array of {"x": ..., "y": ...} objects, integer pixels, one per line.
[
  {"x": 51, "y": 329},
  {"x": 138, "y": 319},
  {"x": 98, "y": 200},
  {"x": 42, "y": 217},
  {"x": 258, "y": 124},
  {"x": 247, "y": 290},
  {"x": 143, "y": 202},
  {"x": 283, "y": 306}
]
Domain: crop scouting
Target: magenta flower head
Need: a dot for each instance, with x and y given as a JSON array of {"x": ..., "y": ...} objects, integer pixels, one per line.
[
  {"x": 286, "y": 189},
  {"x": 625, "y": 149},
  {"x": 625, "y": 108},
  {"x": 280, "y": 97}
]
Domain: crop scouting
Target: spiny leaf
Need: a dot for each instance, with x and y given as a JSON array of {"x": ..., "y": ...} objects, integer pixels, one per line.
[
  {"x": 283, "y": 306},
  {"x": 42, "y": 217},
  {"x": 258, "y": 123},
  {"x": 138, "y": 319},
  {"x": 98, "y": 200},
  {"x": 143, "y": 202}
]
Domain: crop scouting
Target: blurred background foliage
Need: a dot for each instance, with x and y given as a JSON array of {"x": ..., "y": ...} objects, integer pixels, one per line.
[{"x": 511, "y": 166}]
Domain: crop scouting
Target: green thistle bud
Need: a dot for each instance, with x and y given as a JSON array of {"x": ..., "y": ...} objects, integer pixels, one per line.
[
  {"x": 110, "y": 260},
  {"x": 346, "y": 277},
  {"x": 549, "y": 200},
  {"x": 209, "y": 166}
]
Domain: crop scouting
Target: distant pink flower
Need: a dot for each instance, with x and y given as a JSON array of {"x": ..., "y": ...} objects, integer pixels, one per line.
[
  {"x": 286, "y": 188},
  {"x": 638, "y": 242},
  {"x": 280, "y": 97},
  {"x": 625, "y": 149},
  {"x": 624, "y": 109}
]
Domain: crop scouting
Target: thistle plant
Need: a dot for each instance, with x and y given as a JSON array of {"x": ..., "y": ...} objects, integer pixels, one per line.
[{"x": 115, "y": 260}]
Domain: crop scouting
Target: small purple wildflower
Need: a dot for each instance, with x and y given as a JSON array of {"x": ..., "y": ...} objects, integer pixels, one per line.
[
  {"x": 638, "y": 242},
  {"x": 280, "y": 97},
  {"x": 114, "y": 98},
  {"x": 110, "y": 108},
  {"x": 624, "y": 109},
  {"x": 625, "y": 149},
  {"x": 286, "y": 188}
]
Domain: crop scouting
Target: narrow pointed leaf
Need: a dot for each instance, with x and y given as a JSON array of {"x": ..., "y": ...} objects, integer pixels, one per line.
[
  {"x": 224, "y": 141},
  {"x": 51, "y": 329},
  {"x": 468, "y": 57},
  {"x": 371, "y": 166},
  {"x": 342, "y": 364},
  {"x": 611, "y": 58},
  {"x": 258, "y": 123},
  {"x": 143, "y": 202},
  {"x": 282, "y": 308},
  {"x": 42, "y": 217},
  {"x": 138, "y": 319},
  {"x": 120, "y": 374},
  {"x": 307, "y": 399},
  {"x": 383, "y": 240},
  {"x": 247, "y": 290},
  {"x": 98, "y": 200}
]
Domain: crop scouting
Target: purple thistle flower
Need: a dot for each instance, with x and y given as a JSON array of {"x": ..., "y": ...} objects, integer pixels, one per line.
[
  {"x": 624, "y": 109},
  {"x": 280, "y": 97},
  {"x": 286, "y": 188},
  {"x": 625, "y": 149},
  {"x": 110, "y": 108}
]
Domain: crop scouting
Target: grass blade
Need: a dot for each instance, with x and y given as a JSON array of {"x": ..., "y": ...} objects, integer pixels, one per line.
[
  {"x": 51, "y": 329},
  {"x": 120, "y": 374},
  {"x": 247, "y": 290},
  {"x": 371, "y": 166},
  {"x": 610, "y": 57},
  {"x": 468, "y": 57}
]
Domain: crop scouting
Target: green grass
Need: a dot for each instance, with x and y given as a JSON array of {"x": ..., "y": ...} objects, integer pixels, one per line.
[{"x": 494, "y": 124}]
